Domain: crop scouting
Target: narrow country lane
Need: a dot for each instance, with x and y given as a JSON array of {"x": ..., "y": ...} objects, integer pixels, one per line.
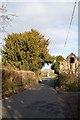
[
  {"x": 51, "y": 82},
  {"x": 40, "y": 101}
]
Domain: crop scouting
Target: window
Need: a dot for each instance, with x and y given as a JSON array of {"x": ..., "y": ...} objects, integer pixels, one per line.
[{"x": 71, "y": 60}]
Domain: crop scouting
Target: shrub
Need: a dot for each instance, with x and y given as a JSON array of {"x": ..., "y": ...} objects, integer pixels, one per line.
[
  {"x": 14, "y": 81},
  {"x": 73, "y": 87},
  {"x": 29, "y": 82},
  {"x": 69, "y": 82}
]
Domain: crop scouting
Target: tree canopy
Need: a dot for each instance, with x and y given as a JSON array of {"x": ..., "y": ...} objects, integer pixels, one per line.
[
  {"x": 26, "y": 51},
  {"x": 55, "y": 65}
]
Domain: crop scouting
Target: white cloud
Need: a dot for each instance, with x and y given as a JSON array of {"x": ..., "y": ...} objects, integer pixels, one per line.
[
  {"x": 57, "y": 40},
  {"x": 59, "y": 34},
  {"x": 51, "y": 19},
  {"x": 53, "y": 12},
  {"x": 40, "y": 0},
  {"x": 30, "y": 9}
]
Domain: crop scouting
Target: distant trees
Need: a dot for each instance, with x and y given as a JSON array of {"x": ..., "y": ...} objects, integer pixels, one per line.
[
  {"x": 26, "y": 51},
  {"x": 56, "y": 63}
]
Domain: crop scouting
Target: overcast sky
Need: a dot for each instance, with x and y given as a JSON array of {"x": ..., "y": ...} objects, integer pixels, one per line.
[{"x": 49, "y": 18}]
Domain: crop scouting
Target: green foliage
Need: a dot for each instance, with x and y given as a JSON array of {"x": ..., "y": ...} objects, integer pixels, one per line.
[
  {"x": 25, "y": 51},
  {"x": 49, "y": 59},
  {"x": 69, "y": 82},
  {"x": 59, "y": 58},
  {"x": 73, "y": 87},
  {"x": 29, "y": 81},
  {"x": 14, "y": 81},
  {"x": 55, "y": 65}
]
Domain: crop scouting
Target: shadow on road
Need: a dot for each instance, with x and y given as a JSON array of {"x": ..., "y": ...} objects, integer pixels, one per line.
[{"x": 51, "y": 82}]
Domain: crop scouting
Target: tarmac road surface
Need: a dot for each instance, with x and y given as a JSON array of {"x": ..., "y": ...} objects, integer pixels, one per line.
[
  {"x": 52, "y": 82},
  {"x": 40, "y": 101}
]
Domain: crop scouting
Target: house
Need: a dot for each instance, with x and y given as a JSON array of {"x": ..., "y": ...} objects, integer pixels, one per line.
[{"x": 70, "y": 64}]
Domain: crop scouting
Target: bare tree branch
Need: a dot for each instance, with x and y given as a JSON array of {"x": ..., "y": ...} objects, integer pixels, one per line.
[{"x": 5, "y": 18}]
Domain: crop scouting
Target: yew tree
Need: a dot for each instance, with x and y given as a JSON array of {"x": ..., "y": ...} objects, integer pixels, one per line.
[{"x": 25, "y": 51}]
